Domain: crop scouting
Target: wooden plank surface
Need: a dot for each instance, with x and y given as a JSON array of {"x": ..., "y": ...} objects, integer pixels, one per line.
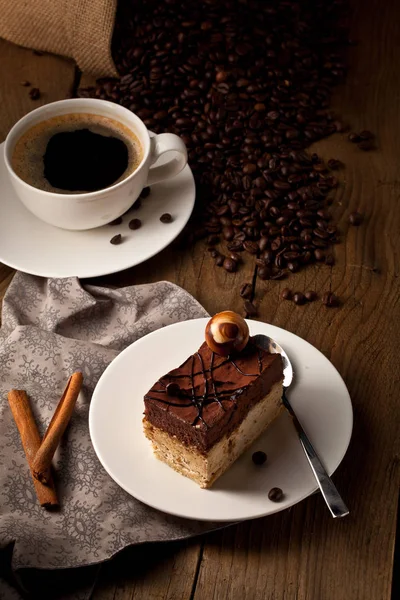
[
  {"x": 301, "y": 553},
  {"x": 52, "y": 75}
]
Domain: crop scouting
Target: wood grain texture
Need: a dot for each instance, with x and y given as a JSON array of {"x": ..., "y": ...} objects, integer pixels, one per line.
[
  {"x": 150, "y": 572},
  {"x": 53, "y": 76},
  {"x": 303, "y": 553}
]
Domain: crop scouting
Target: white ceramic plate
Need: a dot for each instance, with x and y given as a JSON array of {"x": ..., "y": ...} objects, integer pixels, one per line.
[
  {"x": 30, "y": 245},
  {"x": 319, "y": 397}
]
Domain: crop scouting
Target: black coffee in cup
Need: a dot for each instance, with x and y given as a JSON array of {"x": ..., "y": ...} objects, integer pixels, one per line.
[{"x": 76, "y": 153}]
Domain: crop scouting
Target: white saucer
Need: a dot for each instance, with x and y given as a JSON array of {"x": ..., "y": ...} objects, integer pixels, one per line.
[
  {"x": 319, "y": 397},
  {"x": 30, "y": 245}
]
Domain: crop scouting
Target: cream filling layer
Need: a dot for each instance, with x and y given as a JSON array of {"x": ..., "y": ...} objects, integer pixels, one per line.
[{"x": 205, "y": 469}]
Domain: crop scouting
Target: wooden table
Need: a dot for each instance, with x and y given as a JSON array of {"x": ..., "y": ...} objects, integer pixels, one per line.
[{"x": 300, "y": 553}]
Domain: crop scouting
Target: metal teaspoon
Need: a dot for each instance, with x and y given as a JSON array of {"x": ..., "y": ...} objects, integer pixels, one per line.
[{"x": 328, "y": 489}]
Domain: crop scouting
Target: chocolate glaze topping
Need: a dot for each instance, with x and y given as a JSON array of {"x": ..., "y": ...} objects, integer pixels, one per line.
[{"x": 215, "y": 393}]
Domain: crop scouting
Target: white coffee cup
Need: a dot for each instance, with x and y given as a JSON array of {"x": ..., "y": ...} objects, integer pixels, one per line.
[{"x": 93, "y": 209}]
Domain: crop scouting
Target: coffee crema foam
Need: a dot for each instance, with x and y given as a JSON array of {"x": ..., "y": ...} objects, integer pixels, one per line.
[{"x": 27, "y": 157}]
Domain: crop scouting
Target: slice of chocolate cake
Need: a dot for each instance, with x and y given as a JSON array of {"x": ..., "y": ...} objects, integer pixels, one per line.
[{"x": 201, "y": 416}]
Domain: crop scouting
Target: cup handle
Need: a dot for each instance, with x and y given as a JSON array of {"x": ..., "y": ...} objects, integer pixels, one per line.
[{"x": 165, "y": 142}]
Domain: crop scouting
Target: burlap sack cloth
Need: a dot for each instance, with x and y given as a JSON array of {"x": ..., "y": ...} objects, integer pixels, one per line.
[
  {"x": 78, "y": 29},
  {"x": 51, "y": 328}
]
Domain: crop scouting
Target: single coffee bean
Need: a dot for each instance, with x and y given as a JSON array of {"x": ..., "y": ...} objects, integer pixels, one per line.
[
  {"x": 275, "y": 494},
  {"x": 277, "y": 274},
  {"x": 246, "y": 290},
  {"x": 230, "y": 265},
  {"x": 366, "y": 135},
  {"x": 250, "y": 247},
  {"x": 249, "y": 169},
  {"x": 117, "y": 239},
  {"x": 259, "y": 457},
  {"x": 166, "y": 218},
  {"x": 116, "y": 221},
  {"x": 172, "y": 389},
  {"x": 310, "y": 296},
  {"x": 228, "y": 233},
  {"x": 235, "y": 256},
  {"x": 135, "y": 224},
  {"x": 286, "y": 294},
  {"x": 355, "y": 219},
  {"x": 34, "y": 93},
  {"x": 145, "y": 192},
  {"x": 263, "y": 273},
  {"x": 330, "y": 300},
  {"x": 250, "y": 309},
  {"x": 334, "y": 164},
  {"x": 214, "y": 253},
  {"x": 293, "y": 266},
  {"x": 298, "y": 298},
  {"x": 319, "y": 254},
  {"x": 219, "y": 260},
  {"x": 354, "y": 138}
]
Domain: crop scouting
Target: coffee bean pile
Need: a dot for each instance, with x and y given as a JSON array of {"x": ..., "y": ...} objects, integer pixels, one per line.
[{"x": 246, "y": 84}]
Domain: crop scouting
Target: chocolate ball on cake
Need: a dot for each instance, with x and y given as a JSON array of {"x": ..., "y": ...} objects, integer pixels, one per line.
[{"x": 227, "y": 333}]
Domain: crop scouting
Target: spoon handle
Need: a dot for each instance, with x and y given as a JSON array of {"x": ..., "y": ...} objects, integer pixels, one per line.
[{"x": 328, "y": 489}]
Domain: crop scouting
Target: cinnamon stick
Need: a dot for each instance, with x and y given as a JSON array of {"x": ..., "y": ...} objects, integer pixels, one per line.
[
  {"x": 30, "y": 438},
  {"x": 42, "y": 461}
]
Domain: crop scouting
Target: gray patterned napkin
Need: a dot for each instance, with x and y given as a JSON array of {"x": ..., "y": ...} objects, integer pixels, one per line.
[{"x": 50, "y": 328}]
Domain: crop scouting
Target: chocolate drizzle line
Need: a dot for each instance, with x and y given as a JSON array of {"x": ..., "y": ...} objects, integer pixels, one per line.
[{"x": 206, "y": 398}]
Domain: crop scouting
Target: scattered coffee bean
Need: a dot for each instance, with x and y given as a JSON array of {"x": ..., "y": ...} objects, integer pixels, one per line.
[
  {"x": 117, "y": 239},
  {"x": 275, "y": 494},
  {"x": 145, "y": 192},
  {"x": 116, "y": 221},
  {"x": 298, "y": 298},
  {"x": 319, "y": 254},
  {"x": 330, "y": 300},
  {"x": 245, "y": 290},
  {"x": 334, "y": 164},
  {"x": 245, "y": 115},
  {"x": 135, "y": 224},
  {"x": 259, "y": 457},
  {"x": 286, "y": 294},
  {"x": 355, "y": 219},
  {"x": 34, "y": 93},
  {"x": 366, "y": 135},
  {"x": 172, "y": 389},
  {"x": 214, "y": 253},
  {"x": 310, "y": 296},
  {"x": 25, "y": 83},
  {"x": 366, "y": 145},
  {"x": 264, "y": 273},
  {"x": 250, "y": 309},
  {"x": 230, "y": 265},
  {"x": 166, "y": 218},
  {"x": 354, "y": 138},
  {"x": 235, "y": 256}
]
